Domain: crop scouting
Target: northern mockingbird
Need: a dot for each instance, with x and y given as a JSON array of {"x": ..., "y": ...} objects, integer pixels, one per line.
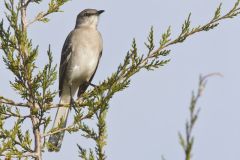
[{"x": 80, "y": 56}]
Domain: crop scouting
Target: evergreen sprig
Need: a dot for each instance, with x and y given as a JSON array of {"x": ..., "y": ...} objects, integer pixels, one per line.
[
  {"x": 31, "y": 83},
  {"x": 186, "y": 140}
]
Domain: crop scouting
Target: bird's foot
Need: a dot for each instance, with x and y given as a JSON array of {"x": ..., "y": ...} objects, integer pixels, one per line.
[
  {"x": 93, "y": 85},
  {"x": 73, "y": 105}
]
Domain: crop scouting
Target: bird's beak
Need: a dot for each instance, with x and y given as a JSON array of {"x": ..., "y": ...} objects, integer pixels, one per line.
[{"x": 100, "y": 12}]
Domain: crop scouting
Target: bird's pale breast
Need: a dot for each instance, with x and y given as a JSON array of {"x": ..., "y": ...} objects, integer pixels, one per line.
[{"x": 85, "y": 55}]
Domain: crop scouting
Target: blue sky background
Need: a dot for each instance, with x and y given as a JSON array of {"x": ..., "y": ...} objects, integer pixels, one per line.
[{"x": 143, "y": 121}]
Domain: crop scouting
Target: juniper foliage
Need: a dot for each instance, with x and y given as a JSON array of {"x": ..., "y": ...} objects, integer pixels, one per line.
[{"x": 187, "y": 139}]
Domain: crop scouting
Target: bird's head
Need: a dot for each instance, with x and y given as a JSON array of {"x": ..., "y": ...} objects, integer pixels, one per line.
[{"x": 88, "y": 18}]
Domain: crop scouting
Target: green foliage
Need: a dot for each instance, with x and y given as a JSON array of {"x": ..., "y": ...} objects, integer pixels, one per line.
[
  {"x": 20, "y": 57},
  {"x": 187, "y": 140},
  {"x": 53, "y": 7},
  {"x": 15, "y": 142},
  {"x": 33, "y": 84}
]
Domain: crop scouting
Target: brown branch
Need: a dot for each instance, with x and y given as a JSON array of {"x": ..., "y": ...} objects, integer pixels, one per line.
[
  {"x": 34, "y": 119},
  {"x": 87, "y": 116},
  {"x": 58, "y": 130},
  {"x": 28, "y": 154},
  {"x": 42, "y": 15},
  {"x": 7, "y": 101},
  {"x": 38, "y": 18},
  {"x": 23, "y": 15},
  {"x": 16, "y": 115},
  {"x": 37, "y": 137}
]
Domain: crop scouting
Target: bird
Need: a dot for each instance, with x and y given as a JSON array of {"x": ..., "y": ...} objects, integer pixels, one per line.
[{"x": 80, "y": 57}]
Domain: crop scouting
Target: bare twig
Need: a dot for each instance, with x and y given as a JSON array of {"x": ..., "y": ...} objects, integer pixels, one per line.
[
  {"x": 16, "y": 115},
  {"x": 4, "y": 100},
  {"x": 38, "y": 18},
  {"x": 203, "y": 81},
  {"x": 58, "y": 130}
]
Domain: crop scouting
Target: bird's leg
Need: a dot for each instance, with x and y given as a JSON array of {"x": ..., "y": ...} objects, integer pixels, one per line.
[
  {"x": 89, "y": 83},
  {"x": 72, "y": 102}
]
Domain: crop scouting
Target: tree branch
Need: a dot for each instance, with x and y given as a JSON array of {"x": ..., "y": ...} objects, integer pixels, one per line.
[
  {"x": 17, "y": 156},
  {"x": 34, "y": 118},
  {"x": 23, "y": 15},
  {"x": 38, "y": 18},
  {"x": 12, "y": 103},
  {"x": 72, "y": 126},
  {"x": 53, "y": 7},
  {"x": 183, "y": 35},
  {"x": 16, "y": 115}
]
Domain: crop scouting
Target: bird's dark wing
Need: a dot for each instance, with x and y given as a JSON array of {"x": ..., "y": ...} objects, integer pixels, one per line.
[
  {"x": 84, "y": 86},
  {"x": 66, "y": 53}
]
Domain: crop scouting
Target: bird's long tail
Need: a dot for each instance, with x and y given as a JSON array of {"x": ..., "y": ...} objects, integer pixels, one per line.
[{"x": 60, "y": 122}]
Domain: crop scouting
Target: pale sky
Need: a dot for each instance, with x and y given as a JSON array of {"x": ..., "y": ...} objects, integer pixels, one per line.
[{"x": 143, "y": 120}]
